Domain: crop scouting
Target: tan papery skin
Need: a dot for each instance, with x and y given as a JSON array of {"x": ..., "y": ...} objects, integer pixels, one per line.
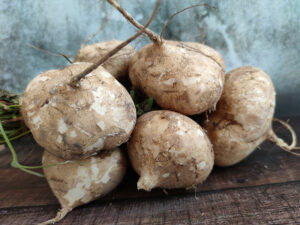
[
  {"x": 169, "y": 150},
  {"x": 117, "y": 65},
  {"x": 243, "y": 117},
  {"x": 75, "y": 123},
  {"x": 82, "y": 181},
  {"x": 185, "y": 77}
]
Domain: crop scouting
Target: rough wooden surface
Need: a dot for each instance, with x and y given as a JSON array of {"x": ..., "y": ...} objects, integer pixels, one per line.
[{"x": 263, "y": 189}]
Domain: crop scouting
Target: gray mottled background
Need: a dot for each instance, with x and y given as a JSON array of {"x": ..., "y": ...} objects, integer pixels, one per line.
[{"x": 264, "y": 33}]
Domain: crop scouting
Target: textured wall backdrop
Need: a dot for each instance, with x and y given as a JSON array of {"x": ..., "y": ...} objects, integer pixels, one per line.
[{"x": 263, "y": 33}]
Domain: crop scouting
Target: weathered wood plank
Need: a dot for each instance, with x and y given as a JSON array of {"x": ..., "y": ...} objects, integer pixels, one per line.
[
  {"x": 267, "y": 204},
  {"x": 28, "y": 151},
  {"x": 266, "y": 166}
]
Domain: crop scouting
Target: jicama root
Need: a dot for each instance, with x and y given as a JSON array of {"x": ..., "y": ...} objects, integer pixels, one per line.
[
  {"x": 169, "y": 150},
  {"x": 77, "y": 183}
]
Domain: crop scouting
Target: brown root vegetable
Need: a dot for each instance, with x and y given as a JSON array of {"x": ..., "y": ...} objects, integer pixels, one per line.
[
  {"x": 117, "y": 65},
  {"x": 243, "y": 119},
  {"x": 182, "y": 76},
  {"x": 78, "y": 122},
  {"x": 186, "y": 77},
  {"x": 82, "y": 181},
  {"x": 169, "y": 150}
]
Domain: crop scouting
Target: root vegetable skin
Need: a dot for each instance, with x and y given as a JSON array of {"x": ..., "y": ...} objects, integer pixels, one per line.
[
  {"x": 116, "y": 65},
  {"x": 185, "y": 77},
  {"x": 169, "y": 150},
  {"x": 78, "y": 183},
  {"x": 75, "y": 123},
  {"x": 243, "y": 119}
]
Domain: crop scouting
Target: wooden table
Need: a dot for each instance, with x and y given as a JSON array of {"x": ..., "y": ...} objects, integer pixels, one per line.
[{"x": 263, "y": 189}]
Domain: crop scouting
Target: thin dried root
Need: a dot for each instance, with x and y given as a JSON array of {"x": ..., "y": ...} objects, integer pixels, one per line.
[
  {"x": 281, "y": 143},
  {"x": 51, "y": 53},
  {"x": 172, "y": 16},
  {"x": 59, "y": 216},
  {"x": 102, "y": 26}
]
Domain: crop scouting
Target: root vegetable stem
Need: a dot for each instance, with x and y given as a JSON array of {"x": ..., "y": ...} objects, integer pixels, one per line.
[
  {"x": 153, "y": 36},
  {"x": 74, "y": 81}
]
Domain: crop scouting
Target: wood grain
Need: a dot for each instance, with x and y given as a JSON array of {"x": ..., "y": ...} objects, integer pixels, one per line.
[
  {"x": 268, "y": 204},
  {"x": 263, "y": 189}
]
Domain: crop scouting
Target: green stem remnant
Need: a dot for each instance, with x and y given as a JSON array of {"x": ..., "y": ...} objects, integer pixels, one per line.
[
  {"x": 142, "y": 105},
  {"x": 12, "y": 127},
  {"x": 15, "y": 163},
  {"x": 10, "y": 117}
]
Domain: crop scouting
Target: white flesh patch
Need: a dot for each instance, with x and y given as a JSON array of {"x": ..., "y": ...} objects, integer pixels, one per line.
[
  {"x": 44, "y": 78},
  {"x": 106, "y": 74},
  {"x": 183, "y": 50},
  {"x": 170, "y": 81},
  {"x": 37, "y": 121},
  {"x": 111, "y": 95},
  {"x": 73, "y": 106},
  {"x": 62, "y": 126},
  {"x": 30, "y": 107},
  {"x": 190, "y": 80},
  {"x": 73, "y": 134},
  {"x": 59, "y": 139},
  {"x": 118, "y": 115},
  {"x": 83, "y": 131},
  {"x": 101, "y": 124},
  {"x": 130, "y": 126},
  {"x": 201, "y": 165},
  {"x": 263, "y": 79},
  {"x": 179, "y": 123},
  {"x": 117, "y": 83},
  {"x": 113, "y": 161},
  {"x": 105, "y": 178},
  {"x": 220, "y": 83},
  {"x": 97, "y": 104},
  {"x": 180, "y": 132},
  {"x": 166, "y": 175},
  {"x": 81, "y": 190},
  {"x": 30, "y": 114},
  {"x": 94, "y": 168},
  {"x": 89, "y": 75},
  {"x": 98, "y": 145},
  {"x": 200, "y": 133}
]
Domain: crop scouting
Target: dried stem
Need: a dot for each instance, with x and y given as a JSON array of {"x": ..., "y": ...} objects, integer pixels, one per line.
[
  {"x": 152, "y": 35},
  {"x": 138, "y": 41},
  {"x": 171, "y": 17},
  {"x": 75, "y": 79}
]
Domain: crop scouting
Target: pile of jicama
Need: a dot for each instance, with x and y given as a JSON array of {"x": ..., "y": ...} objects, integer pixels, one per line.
[{"x": 81, "y": 115}]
